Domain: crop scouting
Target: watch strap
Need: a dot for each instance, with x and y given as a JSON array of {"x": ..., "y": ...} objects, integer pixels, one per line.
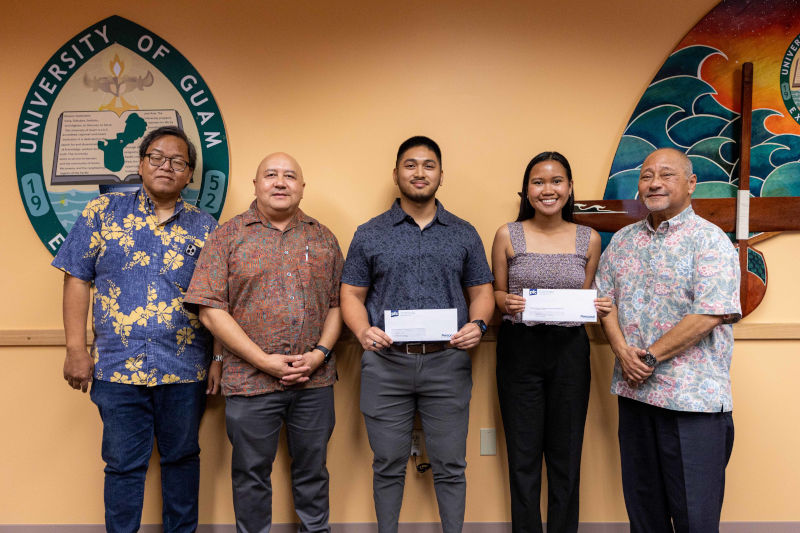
[
  {"x": 482, "y": 325},
  {"x": 325, "y": 351}
]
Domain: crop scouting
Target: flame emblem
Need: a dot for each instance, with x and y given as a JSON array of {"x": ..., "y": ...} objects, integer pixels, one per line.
[{"x": 117, "y": 85}]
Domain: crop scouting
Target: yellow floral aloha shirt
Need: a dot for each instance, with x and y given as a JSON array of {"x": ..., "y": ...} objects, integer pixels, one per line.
[{"x": 140, "y": 270}]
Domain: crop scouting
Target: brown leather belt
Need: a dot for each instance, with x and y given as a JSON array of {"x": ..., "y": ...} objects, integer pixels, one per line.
[{"x": 421, "y": 347}]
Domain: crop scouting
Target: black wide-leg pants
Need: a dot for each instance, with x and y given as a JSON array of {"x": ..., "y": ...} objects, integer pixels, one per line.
[{"x": 543, "y": 377}]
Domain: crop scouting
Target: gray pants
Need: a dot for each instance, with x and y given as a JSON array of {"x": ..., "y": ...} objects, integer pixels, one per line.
[
  {"x": 393, "y": 386},
  {"x": 254, "y": 425}
]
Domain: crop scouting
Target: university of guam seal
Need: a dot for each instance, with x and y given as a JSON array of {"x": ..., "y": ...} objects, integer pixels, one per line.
[{"x": 87, "y": 111}]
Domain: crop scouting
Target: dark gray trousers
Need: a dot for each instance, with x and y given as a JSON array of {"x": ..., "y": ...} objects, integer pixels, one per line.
[
  {"x": 393, "y": 386},
  {"x": 254, "y": 424}
]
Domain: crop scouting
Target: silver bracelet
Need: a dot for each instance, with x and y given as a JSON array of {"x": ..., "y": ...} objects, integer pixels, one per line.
[{"x": 217, "y": 358}]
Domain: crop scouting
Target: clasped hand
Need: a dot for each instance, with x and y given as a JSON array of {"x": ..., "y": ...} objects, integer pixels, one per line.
[
  {"x": 634, "y": 371},
  {"x": 292, "y": 369}
]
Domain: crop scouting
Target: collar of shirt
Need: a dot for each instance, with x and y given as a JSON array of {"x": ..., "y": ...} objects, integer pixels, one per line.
[
  {"x": 253, "y": 216},
  {"x": 397, "y": 215},
  {"x": 673, "y": 223},
  {"x": 146, "y": 206}
]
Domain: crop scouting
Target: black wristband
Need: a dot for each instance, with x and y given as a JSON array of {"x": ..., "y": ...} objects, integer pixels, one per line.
[
  {"x": 482, "y": 325},
  {"x": 325, "y": 351}
]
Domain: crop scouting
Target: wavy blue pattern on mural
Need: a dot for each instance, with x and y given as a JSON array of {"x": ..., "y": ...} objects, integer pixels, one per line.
[
  {"x": 686, "y": 62},
  {"x": 651, "y": 126},
  {"x": 634, "y": 150},
  {"x": 708, "y": 170},
  {"x": 783, "y": 181},
  {"x": 691, "y": 130},
  {"x": 679, "y": 91},
  {"x": 708, "y": 105},
  {"x": 718, "y": 149},
  {"x": 678, "y": 110}
]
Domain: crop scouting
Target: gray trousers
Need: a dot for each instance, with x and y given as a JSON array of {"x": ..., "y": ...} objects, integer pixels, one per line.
[
  {"x": 254, "y": 424},
  {"x": 439, "y": 385}
]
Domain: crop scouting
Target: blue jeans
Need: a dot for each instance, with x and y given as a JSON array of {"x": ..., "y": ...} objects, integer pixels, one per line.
[{"x": 132, "y": 415}]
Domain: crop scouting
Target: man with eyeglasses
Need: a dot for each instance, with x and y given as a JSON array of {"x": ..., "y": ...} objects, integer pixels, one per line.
[{"x": 149, "y": 360}]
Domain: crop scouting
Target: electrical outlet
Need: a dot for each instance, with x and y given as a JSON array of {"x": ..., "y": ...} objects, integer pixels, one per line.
[
  {"x": 416, "y": 443},
  {"x": 488, "y": 441}
]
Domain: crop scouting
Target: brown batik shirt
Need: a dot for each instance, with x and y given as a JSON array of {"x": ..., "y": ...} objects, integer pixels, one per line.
[{"x": 277, "y": 285}]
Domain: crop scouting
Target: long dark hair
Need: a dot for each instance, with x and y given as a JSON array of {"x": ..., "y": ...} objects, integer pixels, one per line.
[{"x": 526, "y": 210}]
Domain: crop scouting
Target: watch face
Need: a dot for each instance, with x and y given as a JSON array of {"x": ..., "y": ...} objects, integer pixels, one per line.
[
  {"x": 481, "y": 324},
  {"x": 650, "y": 360}
]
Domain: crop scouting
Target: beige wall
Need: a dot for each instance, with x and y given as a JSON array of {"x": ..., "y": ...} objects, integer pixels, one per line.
[{"x": 339, "y": 85}]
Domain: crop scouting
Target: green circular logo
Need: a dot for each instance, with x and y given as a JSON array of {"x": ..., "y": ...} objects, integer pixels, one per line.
[
  {"x": 88, "y": 109},
  {"x": 790, "y": 79}
]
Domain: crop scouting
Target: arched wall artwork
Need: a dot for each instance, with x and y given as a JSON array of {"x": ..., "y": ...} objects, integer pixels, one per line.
[{"x": 694, "y": 104}]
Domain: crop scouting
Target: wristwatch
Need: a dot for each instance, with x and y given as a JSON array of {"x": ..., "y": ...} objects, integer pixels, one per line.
[
  {"x": 649, "y": 359},
  {"x": 217, "y": 357},
  {"x": 482, "y": 325},
  {"x": 325, "y": 351}
]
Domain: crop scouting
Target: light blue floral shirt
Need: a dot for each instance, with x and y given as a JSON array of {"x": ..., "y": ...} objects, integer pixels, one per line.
[
  {"x": 656, "y": 277},
  {"x": 140, "y": 270}
]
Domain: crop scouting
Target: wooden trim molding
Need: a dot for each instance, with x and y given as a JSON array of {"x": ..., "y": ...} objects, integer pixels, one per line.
[
  {"x": 34, "y": 337},
  {"x": 776, "y": 331},
  {"x": 741, "y": 331}
]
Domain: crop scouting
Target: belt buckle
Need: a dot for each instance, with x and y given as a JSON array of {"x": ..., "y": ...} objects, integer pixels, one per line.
[{"x": 409, "y": 344}]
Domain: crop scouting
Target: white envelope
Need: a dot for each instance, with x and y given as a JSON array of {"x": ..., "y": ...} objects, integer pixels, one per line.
[
  {"x": 420, "y": 325},
  {"x": 559, "y": 305}
]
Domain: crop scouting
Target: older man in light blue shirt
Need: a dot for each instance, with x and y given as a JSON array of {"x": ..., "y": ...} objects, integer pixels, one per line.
[{"x": 674, "y": 278}]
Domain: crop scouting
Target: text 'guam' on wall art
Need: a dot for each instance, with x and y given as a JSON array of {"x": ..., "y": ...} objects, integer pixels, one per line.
[{"x": 89, "y": 108}]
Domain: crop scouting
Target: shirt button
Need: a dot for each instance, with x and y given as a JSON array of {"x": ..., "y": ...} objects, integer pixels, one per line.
[
  {"x": 289, "y": 274},
  {"x": 291, "y": 297},
  {"x": 285, "y": 252}
]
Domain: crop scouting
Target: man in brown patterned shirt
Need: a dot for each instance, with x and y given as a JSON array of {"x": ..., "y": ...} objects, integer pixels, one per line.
[{"x": 267, "y": 283}]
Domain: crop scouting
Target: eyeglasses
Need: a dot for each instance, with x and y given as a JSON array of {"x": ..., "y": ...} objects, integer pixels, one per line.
[{"x": 176, "y": 164}]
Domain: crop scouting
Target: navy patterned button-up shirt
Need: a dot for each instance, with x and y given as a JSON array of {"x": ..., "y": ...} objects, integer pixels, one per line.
[
  {"x": 406, "y": 267},
  {"x": 140, "y": 269}
]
